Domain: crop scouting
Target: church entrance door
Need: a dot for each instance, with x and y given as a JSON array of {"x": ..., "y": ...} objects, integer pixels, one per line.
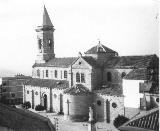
[
  {"x": 45, "y": 101},
  {"x": 107, "y": 111},
  {"x": 32, "y": 99},
  {"x": 61, "y": 103}
]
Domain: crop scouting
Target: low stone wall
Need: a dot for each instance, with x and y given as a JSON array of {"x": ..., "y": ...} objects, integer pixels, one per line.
[{"x": 78, "y": 107}]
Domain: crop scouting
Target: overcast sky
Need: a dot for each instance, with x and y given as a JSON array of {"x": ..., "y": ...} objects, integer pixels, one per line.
[{"x": 129, "y": 27}]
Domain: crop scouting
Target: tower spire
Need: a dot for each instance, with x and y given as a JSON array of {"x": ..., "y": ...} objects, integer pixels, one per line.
[{"x": 46, "y": 18}]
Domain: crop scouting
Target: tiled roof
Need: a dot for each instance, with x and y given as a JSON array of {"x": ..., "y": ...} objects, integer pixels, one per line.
[
  {"x": 146, "y": 122},
  {"x": 110, "y": 89},
  {"x": 90, "y": 60},
  {"x": 57, "y": 62},
  {"x": 132, "y": 61},
  {"x": 59, "y": 84},
  {"x": 99, "y": 49},
  {"x": 18, "y": 119},
  {"x": 137, "y": 74},
  {"x": 77, "y": 89},
  {"x": 17, "y": 77},
  {"x": 154, "y": 88}
]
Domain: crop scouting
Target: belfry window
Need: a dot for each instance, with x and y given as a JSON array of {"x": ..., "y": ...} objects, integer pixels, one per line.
[
  {"x": 82, "y": 78},
  {"x": 40, "y": 44},
  {"x": 77, "y": 77},
  {"x": 65, "y": 74},
  {"x": 46, "y": 73},
  {"x": 50, "y": 43},
  {"x": 109, "y": 76},
  {"x": 55, "y": 73}
]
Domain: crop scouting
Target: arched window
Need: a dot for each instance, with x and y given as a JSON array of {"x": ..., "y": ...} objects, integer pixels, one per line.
[
  {"x": 109, "y": 76},
  {"x": 82, "y": 78},
  {"x": 40, "y": 45},
  {"x": 65, "y": 74},
  {"x": 46, "y": 73},
  {"x": 123, "y": 74},
  {"x": 55, "y": 73},
  {"x": 77, "y": 77},
  {"x": 50, "y": 43},
  {"x": 38, "y": 73}
]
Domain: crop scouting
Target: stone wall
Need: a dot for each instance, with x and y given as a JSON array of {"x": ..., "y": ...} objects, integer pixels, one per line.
[
  {"x": 96, "y": 78},
  {"x": 116, "y": 107}
]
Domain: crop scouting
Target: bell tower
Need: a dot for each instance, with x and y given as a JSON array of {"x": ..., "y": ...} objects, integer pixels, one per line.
[{"x": 45, "y": 39}]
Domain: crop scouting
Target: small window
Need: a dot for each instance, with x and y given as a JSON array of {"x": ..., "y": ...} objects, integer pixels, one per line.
[
  {"x": 13, "y": 95},
  {"x": 114, "y": 105},
  {"x": 123, "y": 74},
  {"x": 80, "y": 63},
  {"x": 99, "y": 103},
  {"x": 40, "y": 44},
  {"x": 27, "y": 92},
  {"x": 55, "y": 96},
  {"x": 157, "y": 99},
  {"x": 109, "y": 76},
  {"x": 36, "y": 93},
  {"x": 77, "y": 77},
  {"x": 4, "y": 84},
  {"x": 82, "y": 78},
  {"x": 38, "y": 73},
  {"x": 4, "y": 89},
  {"x": 55, "y": 73},
  {"x": 46, "y": 73},
  {"x": 65, "y": 74}
]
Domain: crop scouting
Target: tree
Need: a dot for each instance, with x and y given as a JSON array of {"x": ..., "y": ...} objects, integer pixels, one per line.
[{"x": 120, "y": 120}]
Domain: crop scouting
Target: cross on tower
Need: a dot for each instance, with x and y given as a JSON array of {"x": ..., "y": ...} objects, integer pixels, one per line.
[{"x": 68, "y": 105}]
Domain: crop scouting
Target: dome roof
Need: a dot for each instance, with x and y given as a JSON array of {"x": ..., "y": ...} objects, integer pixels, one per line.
[{"x": 100, "y": 49}]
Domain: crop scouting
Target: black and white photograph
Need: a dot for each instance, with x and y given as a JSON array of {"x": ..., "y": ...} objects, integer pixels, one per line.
[{"x": 79, "y": 65}]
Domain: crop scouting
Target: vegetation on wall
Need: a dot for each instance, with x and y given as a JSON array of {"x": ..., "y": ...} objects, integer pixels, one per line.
[
  {"x": 39, "y": 108},
  {"x": 26, "y": 105},
  {"x": 120, "y": 120}
]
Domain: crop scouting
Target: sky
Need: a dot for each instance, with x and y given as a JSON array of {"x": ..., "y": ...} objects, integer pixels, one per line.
[{"x": 129, "y": 27}]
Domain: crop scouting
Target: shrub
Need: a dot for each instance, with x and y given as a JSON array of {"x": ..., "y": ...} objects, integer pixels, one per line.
[
  {"x": 39, "y": 108},
  {"x": 60, "y": 113},
  {"x": 26, "y": 105},
  {"x": 120, "y": 120}
]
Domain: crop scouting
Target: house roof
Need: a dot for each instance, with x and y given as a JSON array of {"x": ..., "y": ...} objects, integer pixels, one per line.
[
  {"x": 58, "y": 84},
  {"x": 110, "y": 89},
  {"x": 148, "y": 121},
  {"x": 100, "y": 49},
  {"x": 138, "y": 74},
  {"x": 19, "y": 119},
  {"x": 143, "y": 61},
  {"x": 57, "y": 62},
  {"x": 77, "y": 89},
  {"x": 17, "y": 77},
  {"x": 90, "y": 60}
]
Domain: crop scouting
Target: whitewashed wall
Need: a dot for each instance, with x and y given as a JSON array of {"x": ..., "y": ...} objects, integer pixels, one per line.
[{"x": 131, "y": 93}]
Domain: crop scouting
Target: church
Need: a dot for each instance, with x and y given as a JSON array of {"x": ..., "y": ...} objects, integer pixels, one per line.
[{"x": 71, "y": 85}]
